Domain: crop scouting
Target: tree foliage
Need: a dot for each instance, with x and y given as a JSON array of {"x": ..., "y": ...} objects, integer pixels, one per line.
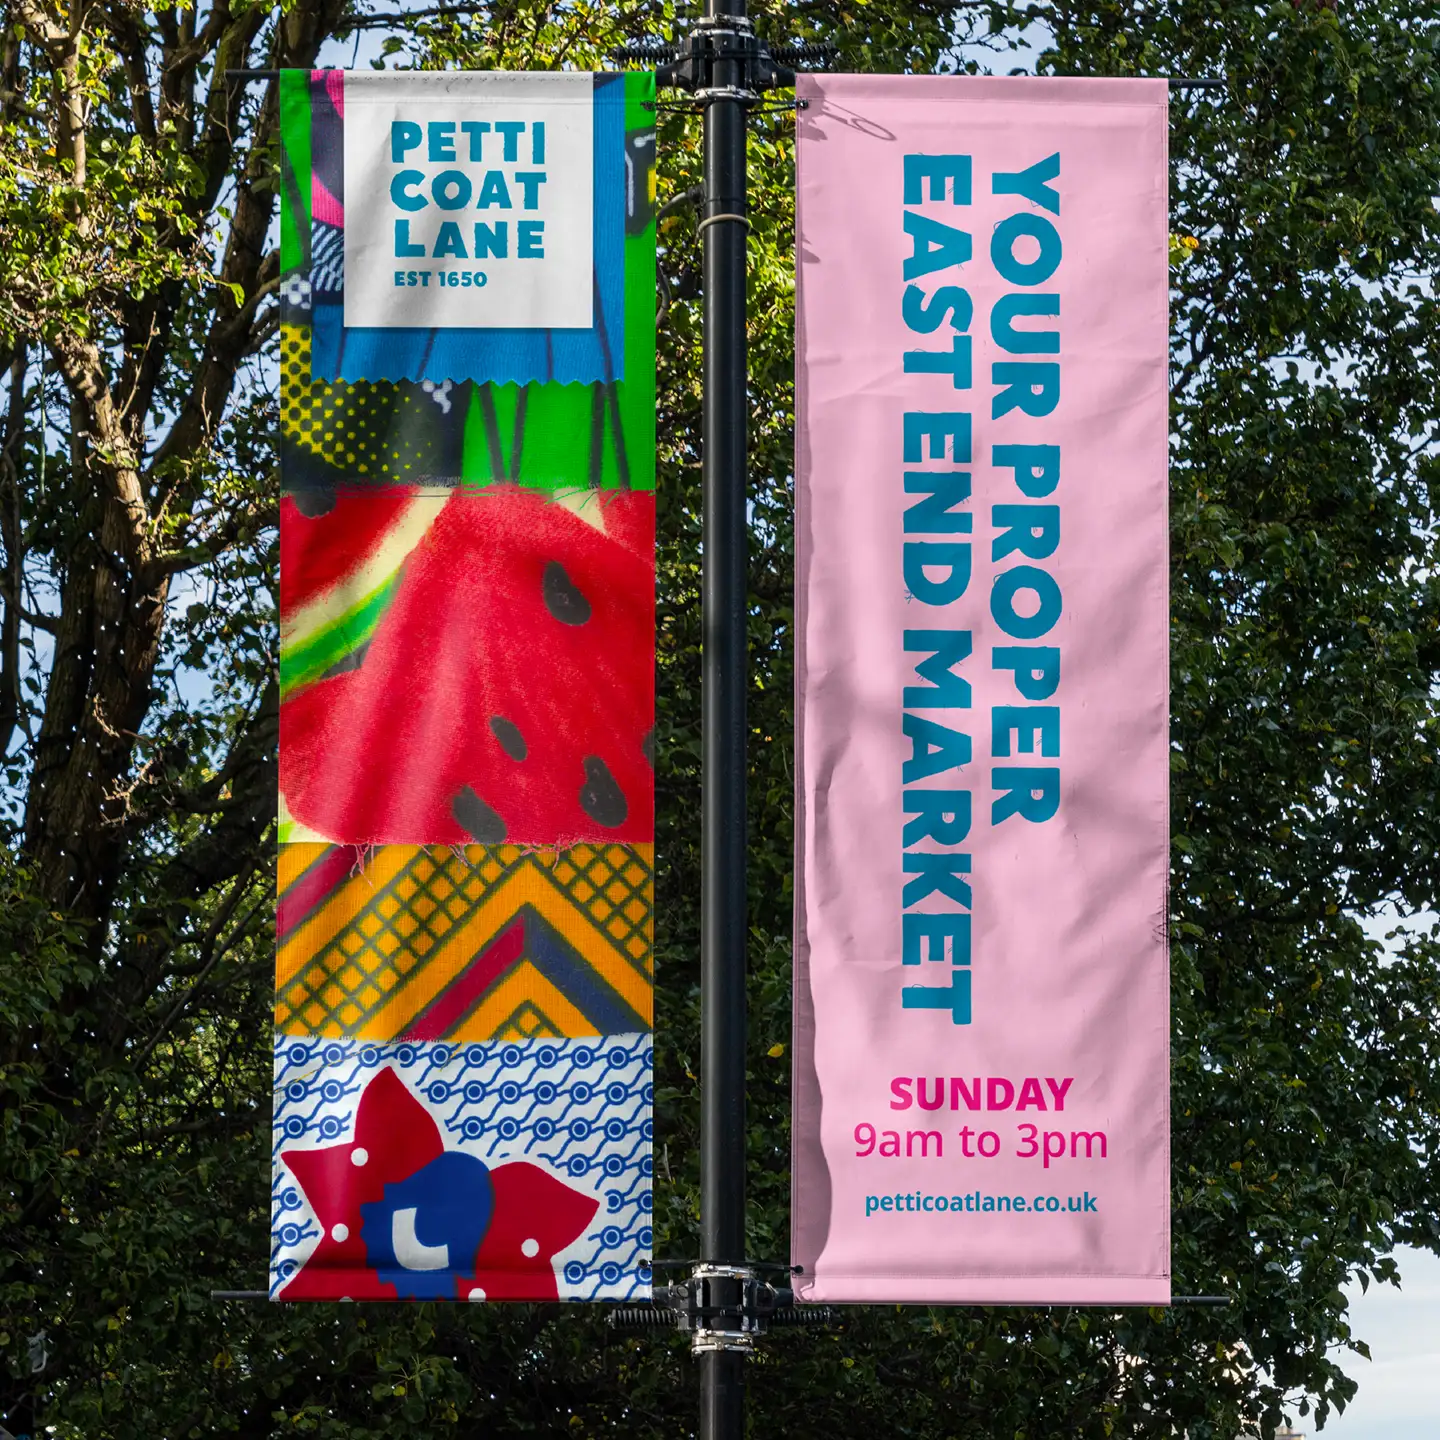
[{"x": 138, "y": 717}]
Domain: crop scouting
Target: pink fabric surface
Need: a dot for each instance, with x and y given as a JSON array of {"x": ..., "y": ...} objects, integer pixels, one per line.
[
  {"x": 1068, "y": 969},
  {"x": 335, "y": 88}
]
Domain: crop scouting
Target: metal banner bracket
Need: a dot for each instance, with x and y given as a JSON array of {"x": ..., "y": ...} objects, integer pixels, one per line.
[
  {"x": 722, "y": 1308},
  {"x": 731, "y": 39}
]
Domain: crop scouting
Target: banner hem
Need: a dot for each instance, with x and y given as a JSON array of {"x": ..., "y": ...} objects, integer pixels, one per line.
[{"x": 1008, "y": 1290}]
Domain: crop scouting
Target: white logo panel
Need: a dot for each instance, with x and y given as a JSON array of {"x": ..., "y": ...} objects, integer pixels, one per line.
[{"x": 469, "y": 200}]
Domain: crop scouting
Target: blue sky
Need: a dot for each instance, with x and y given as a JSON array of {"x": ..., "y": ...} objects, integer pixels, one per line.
[{"x": 1399, "y": 1395}]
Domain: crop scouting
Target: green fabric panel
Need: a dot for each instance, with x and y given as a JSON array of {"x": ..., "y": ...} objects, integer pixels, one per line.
[
  {"x": 490, "y": 433},
  {"x": 557, "y": 434},
  {"x": 475, "y": 466},
  {"x": 639, "y": 92},
  {"x": 637, "y": 389},
  {"x": 294, "y": 167},
  {"x": 560, "y": 421},
  {"x": 555, "y": 439}
]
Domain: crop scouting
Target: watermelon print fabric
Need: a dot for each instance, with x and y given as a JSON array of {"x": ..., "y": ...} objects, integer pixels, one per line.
[
  {"x": 485, "y": 672},
  {"x": 465, "y": 908}
]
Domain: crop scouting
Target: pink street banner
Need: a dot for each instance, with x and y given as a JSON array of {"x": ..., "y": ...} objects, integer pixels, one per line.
[{"x": 981, "y": 982}]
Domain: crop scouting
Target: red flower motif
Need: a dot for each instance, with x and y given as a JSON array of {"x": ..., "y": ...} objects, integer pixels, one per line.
[{"x": 535, "y": 1215}]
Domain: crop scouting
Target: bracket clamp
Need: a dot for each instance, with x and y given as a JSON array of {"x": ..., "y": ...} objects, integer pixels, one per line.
[
  {"x": 723, "y": 1307},
  {"x": 689, "y": 64}
]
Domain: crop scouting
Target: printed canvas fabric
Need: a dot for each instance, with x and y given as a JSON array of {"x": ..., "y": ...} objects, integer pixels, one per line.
[
  {"x": 549, "y": 409},
  {"x": 981, "y": 986},
  {"x": 477, "y": 666},
  {"x": 466, "y": 943},
  {"x": 485, "y": 1171},
  {"x": 464, "y": 964}
]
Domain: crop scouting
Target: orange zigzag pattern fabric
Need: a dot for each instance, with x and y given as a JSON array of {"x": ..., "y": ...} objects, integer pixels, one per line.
[{"x": 428, "y": 943}]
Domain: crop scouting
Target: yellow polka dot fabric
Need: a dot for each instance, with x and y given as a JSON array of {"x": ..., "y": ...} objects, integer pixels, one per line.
[{"x": 362, "y": 432}]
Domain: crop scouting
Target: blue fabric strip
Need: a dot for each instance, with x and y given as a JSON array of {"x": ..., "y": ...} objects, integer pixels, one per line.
[{"x": 506, "y": 356}]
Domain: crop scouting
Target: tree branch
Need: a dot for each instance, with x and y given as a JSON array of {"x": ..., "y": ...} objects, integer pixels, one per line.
[
  {"x": 400, "y": 20},
  {"x": 10, "y": 531}
]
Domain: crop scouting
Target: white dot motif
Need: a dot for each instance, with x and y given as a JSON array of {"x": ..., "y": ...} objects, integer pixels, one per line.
[
  {"x": 476, "y": 1294},
  {"x": 359, "y": 1155},
  {"x": 530, "y": 1248},
  {"x": 340, "y": 1232}
]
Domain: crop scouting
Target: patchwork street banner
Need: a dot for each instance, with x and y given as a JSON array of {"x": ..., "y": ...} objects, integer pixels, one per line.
[
  {"x": 981, "y": 979},
  {"x": 464, "y": 924}
]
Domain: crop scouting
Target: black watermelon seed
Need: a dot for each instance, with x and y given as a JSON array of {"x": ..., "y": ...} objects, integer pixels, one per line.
[
  {"x": 312, "y": 503},
  {"x": 482, "y": 823},
  {"x": 507, "y": 732},
  {"x": 600, "y": 797},
  {"x": 647, "y": 747},
  {"x": 562, "y": 599}
]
